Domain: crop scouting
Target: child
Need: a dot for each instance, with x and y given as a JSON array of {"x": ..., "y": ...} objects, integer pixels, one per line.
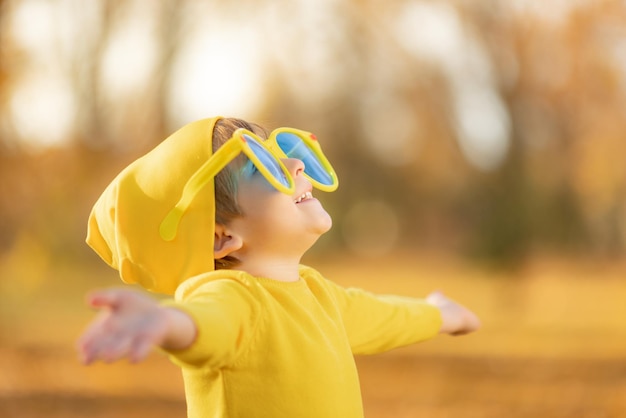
[{"x": 221, "y": 218}]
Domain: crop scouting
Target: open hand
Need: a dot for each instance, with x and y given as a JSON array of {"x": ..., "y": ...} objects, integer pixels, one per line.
[
  {"x": 128, "y": 325},
  {"x": 457, "y": 319}
]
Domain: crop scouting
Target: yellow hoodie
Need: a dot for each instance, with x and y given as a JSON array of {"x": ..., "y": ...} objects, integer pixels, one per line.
[
  {"x": 270, "y": 349},
  {"x": 264, "y": 348},
  {"x": 124, "y": 223}
]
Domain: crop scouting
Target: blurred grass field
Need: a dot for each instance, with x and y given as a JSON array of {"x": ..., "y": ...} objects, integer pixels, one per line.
[{"x": 552, "y": 345}]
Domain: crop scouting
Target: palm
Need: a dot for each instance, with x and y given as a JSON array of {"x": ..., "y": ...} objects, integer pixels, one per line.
[{"x": 128, "y": 325}]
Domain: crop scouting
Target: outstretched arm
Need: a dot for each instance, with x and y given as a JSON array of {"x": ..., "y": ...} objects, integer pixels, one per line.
[
  {"x": 456, "y": 318},
  {"x": 130, "y": 324}
]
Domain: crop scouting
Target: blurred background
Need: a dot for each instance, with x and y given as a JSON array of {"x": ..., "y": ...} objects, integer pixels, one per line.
[{"x": 479, "y": 145}]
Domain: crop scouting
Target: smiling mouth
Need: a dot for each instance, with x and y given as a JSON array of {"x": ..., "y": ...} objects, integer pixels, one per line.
[{"x": 304, "y": 196}]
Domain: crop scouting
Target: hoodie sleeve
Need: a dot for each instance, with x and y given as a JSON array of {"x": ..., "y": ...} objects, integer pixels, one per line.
[
  {"x": 225, "y": 314},
  {"x": 377, "y": 323}
]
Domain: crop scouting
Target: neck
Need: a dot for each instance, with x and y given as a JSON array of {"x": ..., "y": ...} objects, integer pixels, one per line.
[{"x": 276, "y": 269}]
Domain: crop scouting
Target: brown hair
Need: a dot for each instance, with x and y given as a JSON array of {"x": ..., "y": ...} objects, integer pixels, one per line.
[{"x": 226, "y": 205}]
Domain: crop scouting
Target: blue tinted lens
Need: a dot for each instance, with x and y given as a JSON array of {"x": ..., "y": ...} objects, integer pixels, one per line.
[
  {"x": 249, "y": 169},
  {"x": 268, "y": 160},
  {"x": 294, "y": 147}
]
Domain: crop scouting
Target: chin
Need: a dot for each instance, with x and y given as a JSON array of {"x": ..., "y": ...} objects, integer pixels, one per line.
[{"x": 325, "y": 225}]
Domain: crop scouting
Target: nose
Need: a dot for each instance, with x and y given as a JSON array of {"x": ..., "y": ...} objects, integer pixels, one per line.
[{"x": 294, "y": 166}]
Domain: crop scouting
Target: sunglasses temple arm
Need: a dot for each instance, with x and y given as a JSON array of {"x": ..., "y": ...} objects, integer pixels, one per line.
[{"x": 206, "y": 173}]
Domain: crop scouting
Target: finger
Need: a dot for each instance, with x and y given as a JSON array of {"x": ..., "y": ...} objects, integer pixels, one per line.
[
  {"x": 139, "y": 350},
  {"x": 84, "y": 354},
  {"x": 435, "y": 296},
  {"x": 115, "y": 350},
  {"x": 88, "y": 350},
  {"x": 102, "y": 333},
  {"x": 103, "y": 298},
  {"x": 87, "y": 343},
  {"x": 105, "y": 347}
]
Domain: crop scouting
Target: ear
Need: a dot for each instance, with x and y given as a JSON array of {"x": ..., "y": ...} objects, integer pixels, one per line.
[{"x": 225, "y": 242}]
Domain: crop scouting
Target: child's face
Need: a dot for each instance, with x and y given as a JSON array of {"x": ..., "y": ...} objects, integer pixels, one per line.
[{"x": 278, "y": 222}]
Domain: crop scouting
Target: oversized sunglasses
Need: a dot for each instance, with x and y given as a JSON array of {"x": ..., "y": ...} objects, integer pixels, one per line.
[{"x": 266, "y": 157}]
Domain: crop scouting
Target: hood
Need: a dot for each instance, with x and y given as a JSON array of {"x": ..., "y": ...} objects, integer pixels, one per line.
[{"x": 124, "y": 223}]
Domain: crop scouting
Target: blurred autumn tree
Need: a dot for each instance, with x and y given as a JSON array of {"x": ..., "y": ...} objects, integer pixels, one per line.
[{"x": 492, "y": 129}]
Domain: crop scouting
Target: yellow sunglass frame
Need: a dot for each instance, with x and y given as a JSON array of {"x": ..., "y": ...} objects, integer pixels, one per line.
[
  {"x": 237, "y": 144},
  {"x": 311, "y": 141}
]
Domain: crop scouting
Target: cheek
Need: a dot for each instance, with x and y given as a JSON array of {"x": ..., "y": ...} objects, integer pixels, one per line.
[
  {"x": 263, "y": 208},
  {"x": 263, "y": 215}
]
